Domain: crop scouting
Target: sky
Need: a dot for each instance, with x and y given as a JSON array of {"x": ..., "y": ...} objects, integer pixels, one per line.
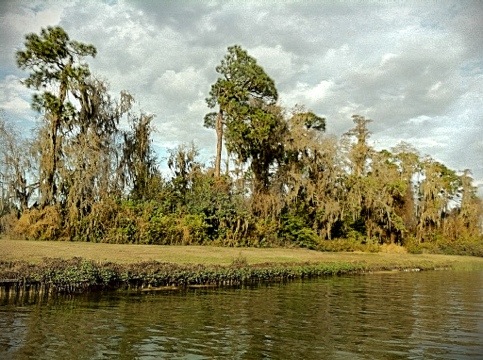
[{"x": 414, "y": 67}]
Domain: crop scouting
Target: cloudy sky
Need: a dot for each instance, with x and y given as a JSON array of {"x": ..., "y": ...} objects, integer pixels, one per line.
[{"x": 414, "y": 67}]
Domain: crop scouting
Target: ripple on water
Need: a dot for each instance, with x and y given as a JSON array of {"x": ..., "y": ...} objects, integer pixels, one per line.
[{"x": 425, "y": 315}]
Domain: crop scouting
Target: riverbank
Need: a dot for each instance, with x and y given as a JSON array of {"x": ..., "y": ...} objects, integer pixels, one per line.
[{"x": 78, "y": 267}]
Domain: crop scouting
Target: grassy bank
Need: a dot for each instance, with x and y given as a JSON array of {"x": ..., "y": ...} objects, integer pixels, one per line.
[{"x": 76, "y": 267}]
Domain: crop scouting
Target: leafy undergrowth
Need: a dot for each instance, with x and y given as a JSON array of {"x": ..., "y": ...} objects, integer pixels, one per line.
[
  {"x": 80, "y": 275},
  {"x": 439, "y": 245},
  {"x": 465, "y": 247}
]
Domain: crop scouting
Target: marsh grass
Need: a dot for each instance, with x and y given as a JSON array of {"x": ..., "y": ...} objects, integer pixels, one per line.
[
  {"x": 239, "y": 261},
  {"x": 71, "y": 267}
]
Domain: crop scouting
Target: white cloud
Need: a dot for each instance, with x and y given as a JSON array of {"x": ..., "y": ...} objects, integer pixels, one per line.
[
  {"x": 15, "y": 99},
  {"x": 13, "y": 95},
  {"x": 30, "y": 16},
  {"x": 278, "y": 63},
  {"x": 305, "y": 94},
  {"x": 414, "y": 68},
  {"x": 182, "y": 85}
]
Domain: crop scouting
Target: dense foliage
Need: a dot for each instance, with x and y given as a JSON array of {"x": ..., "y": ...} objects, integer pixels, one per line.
[{"x": 81, "y": 177}]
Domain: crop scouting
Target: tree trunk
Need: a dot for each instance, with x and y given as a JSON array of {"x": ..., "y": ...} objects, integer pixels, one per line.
[
  {"x": 51, "y": 196},
  {"x": 219, "y": 143}
]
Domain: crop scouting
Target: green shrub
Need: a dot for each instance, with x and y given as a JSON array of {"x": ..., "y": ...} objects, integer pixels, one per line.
[
  {"x": 164, "y": 230},
  {"x": 348, "y": 245},
  {"x": 463, "y": 246},
  {"x": 193, "y": 229},
  {"x": 263, "y": 233},
  {"x": 414, "y": 246},
  {"x": 441, "y": 245},
  {"x": 294, "y": 230}
]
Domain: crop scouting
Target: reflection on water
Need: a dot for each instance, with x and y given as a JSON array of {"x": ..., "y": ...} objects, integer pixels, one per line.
[{"x": 428, "y": 315}]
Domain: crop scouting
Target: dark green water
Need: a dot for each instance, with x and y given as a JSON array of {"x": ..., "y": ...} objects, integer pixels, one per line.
[{"x": 427, "y": 315}]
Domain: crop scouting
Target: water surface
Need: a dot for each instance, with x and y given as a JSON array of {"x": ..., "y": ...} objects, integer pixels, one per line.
[{"x": 426, "y": 315}]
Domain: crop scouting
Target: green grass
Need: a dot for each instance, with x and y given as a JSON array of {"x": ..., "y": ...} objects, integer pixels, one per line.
[
  {"x": 35, "y": 251},
  {"x": 77, "y": 266}
]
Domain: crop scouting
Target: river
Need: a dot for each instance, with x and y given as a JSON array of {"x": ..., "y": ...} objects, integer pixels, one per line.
[{"x": 424, "y": 315}]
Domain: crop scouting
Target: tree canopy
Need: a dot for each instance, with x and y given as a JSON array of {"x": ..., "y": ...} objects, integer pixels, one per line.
[
  {"x": 246, "y": 97},
  {"x": 81, "y": 176}
]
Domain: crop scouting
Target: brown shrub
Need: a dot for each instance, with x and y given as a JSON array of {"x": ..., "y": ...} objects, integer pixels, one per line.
[
  {"x": 8, "y": 223},
  {"x": 40, "y": 224},
  {"x": 392, "y": 249}
]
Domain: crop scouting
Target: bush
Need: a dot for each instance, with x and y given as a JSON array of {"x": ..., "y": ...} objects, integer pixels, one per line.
[
  {"x": 348, "y": 245},
  {"x": 8, "y": 222},
  {"x": 163, "y": 230},
  {"x": 295, "y": 231},
  {"x": 414, "y": 246},
  {"x": 41, "y": 224},
  {"x": 392, "y": 249},
  {"x": 193, "y": 229},
  {"x": 464, "y": 246},
  {"x": 440, "y": 245},
  {"x": 263, "y": 234}
]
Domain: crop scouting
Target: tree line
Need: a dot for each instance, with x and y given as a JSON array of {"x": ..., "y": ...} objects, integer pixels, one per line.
[{"x": 83, "y": 176}]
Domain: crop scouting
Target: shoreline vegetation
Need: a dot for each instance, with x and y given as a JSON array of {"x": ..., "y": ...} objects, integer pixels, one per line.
[
  {"x": 291, "y": 202},
  {"x": 85, "y": 176},
  {"x": 32, "y": 267}
]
